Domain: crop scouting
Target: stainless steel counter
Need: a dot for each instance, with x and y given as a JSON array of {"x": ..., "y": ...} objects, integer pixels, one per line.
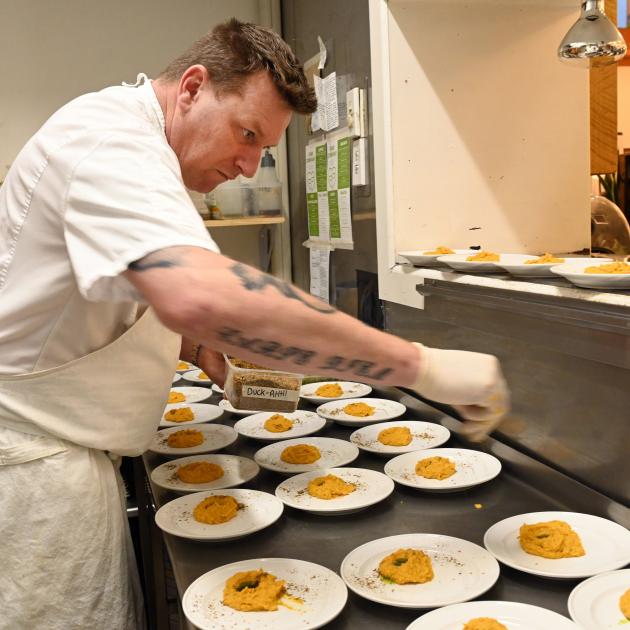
[{"x": 523, "y": 486}]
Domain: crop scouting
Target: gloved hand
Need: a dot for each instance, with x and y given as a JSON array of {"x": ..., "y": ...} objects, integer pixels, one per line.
[{"x": 471, "y": 382}]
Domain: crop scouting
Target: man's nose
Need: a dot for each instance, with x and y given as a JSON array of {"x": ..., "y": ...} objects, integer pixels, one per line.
[{"x": 248, "y": 162}]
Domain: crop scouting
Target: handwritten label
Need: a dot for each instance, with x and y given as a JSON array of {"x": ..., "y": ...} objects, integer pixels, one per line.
[{"x": 251, "y": 391}]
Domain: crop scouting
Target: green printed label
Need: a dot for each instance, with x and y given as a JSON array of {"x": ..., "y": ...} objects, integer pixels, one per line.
[
  {"x": 321, "y": 167},
  {"x": 313, "y": 214},
  {"x": 343, "y": 162},
  {"x": 333, "y": 209}
]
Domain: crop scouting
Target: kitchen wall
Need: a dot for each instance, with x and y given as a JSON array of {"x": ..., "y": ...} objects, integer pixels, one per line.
[{"x": 51, "y": 52}]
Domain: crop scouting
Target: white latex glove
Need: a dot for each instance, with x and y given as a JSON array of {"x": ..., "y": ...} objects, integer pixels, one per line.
[{"x": 471, "y": 382}]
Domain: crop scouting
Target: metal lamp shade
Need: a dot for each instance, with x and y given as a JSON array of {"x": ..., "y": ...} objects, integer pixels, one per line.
[{"x": 593, "y": 40}]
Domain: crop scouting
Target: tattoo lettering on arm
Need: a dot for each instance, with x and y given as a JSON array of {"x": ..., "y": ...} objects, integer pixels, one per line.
[
  {"x": 266, "y": 348},
  {"x": 155, "y": 260},
  {"x": 359, "y": 367},
  {"x": 258, "y": 281},
  {"x": 303, "y": 356}
]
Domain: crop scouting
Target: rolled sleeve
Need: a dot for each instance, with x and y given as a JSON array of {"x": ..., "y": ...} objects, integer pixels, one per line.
[{"x": 125, "y": 200}]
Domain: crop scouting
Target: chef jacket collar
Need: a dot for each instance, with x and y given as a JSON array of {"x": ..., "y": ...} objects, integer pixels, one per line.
[{"x": 144, "y": 83}]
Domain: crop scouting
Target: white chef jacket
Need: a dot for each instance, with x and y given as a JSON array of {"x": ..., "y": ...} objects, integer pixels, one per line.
[{"x": 97, "y": 187}]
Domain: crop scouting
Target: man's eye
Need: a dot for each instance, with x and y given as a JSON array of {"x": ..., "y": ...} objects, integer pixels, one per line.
[{"x": 248, "y": 134}]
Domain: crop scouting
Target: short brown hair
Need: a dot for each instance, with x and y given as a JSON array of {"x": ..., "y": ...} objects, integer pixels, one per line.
[{"x": 234, "y": 50}]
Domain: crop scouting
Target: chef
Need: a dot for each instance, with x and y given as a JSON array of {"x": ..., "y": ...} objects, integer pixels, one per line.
[{"x": 108, "y": 276}]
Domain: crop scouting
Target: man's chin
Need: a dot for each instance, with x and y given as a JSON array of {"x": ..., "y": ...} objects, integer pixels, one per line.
[
  {"x": 204, "y": 188},
  {"x": 201, "y": 187}
]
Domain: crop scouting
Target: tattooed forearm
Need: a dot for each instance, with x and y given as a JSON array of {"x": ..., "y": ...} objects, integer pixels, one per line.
[
  {"x": 359, "y": 367},
  {"x": 152, "y": 261},
  {"x": 257, "y": 281},
  {"x": 302, "y": 356},
  {"x": 264, "y": 347}
]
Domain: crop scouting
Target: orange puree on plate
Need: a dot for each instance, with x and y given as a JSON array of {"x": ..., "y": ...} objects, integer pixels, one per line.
[
  {"x": 395, "y": 436},
  {"x": 185, "y": 438},
  {"x": 330, "y": 390},
  {"x": 329, "y": 487},
  {"x": 175, "y": 397},
  {"x": 278, "y": 423},
  {"x": 552, "y": 539},
  {"x": 439, "y": 251},
  {"x": 435, "y": 468},
  {"x": 484, "y": 257},
  {"x": 484, "y": 623},
  {"x": 407, "y": 566},
  {"x": 545, "y": 259},
  {"x": 300, "y": 454},
  {"x": 615, "y": 267},
  {"x": 360, "y": 409},
  {"x": 199, "y": 472},
  {"x": 180, "y": 414},
  {"x": 249, "y": 591},
  {"x": 216, "y": 509}
]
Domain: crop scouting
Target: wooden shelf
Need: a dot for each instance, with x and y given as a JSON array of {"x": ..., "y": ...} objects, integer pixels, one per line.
[{"x": 223, "y": 223}]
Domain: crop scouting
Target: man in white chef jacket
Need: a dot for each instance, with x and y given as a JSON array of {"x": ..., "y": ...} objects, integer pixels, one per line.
[{"x": 96, "y": 225}]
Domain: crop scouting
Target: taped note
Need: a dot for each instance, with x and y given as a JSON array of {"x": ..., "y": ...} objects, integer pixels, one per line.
[{"x": 320, "y": 271}]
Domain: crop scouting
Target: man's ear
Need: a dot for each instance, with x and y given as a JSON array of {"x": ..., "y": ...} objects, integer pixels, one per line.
[{"x": 190, "y": 85}]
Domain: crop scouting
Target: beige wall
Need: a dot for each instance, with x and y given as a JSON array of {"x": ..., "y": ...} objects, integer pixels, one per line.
[
  {"x": 52, "y": 51},
  {"x": 485, "y": 150}
]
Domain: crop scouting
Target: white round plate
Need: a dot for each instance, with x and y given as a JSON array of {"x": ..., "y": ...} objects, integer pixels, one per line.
[
  {"x": 193, "y": 394},
  {"x": 259, "y": 510},
  {"x": 575, "y": 274},
  {"x": 384, "y": 410},
  {"x": 189, "y": 366},
  {"x": 471, "y": 469},
  {"x": 323, "y": 592},
  {"x": 514, "y": 615},
  {"x": 176, "y": 377},
  {"x": 236, "y": 471},
  {"x": 226, "y": 405},
  {"x": 216, "y": 389},
  {"x": 423, "y": 435},
  {"x": 192, "y": 376},
  {"x": 372, "y": 487},
  {"x": 334, "y": 453},
  {"x": 607, "y": 545},
  {"x": 515, "y": 264},
  {"x": 304, "y": 423},
  {"x": 462, "y": 571},
  {"x": 459, "y": 263},
  {"x": 594, "y": 603},
  {"x": 215, "y": 437},
  {"x": 418, "y": 258},
  {"x": 203, "y": 413},
  {"x": 350, "y": 390}
]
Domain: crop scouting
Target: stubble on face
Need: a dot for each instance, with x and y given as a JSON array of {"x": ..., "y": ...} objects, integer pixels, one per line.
[{"x": 209, "y": 136}]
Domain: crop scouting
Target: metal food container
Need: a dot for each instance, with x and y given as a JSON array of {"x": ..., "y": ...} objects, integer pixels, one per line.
[{"x": 252, "y": 387}]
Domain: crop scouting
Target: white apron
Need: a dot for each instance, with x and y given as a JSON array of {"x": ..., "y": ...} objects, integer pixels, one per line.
[{"x": 67, "y": 560}]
